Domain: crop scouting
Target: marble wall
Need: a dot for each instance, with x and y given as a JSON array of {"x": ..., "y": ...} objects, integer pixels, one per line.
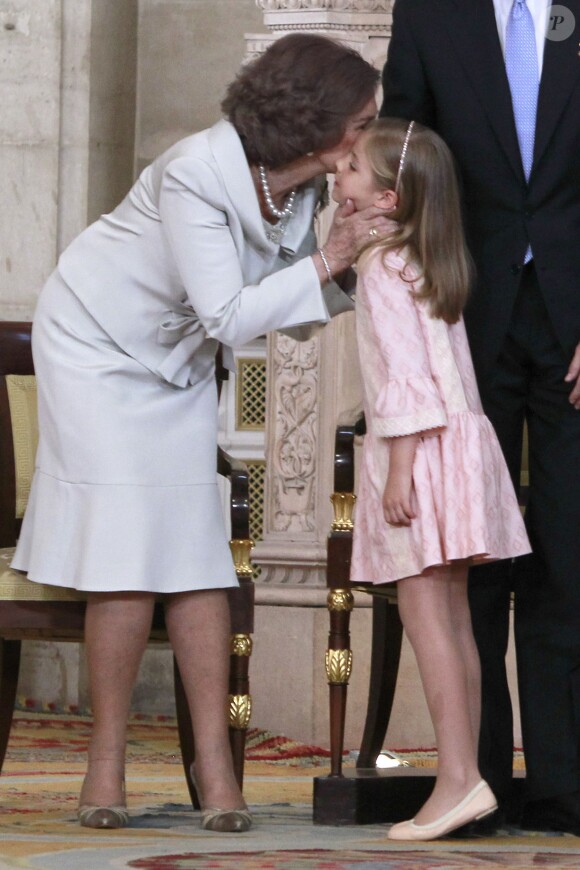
[
  {"x": 30, "y": 47},
  {"x": 92, "y": 90},
  {"x": 189, "y": 50}
]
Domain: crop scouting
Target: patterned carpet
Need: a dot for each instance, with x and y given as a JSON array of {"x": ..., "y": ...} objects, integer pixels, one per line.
[
  {"x": 321, "y": 859},
  {"x": 43, "y": 772},
  {"x": 49, "y": 735}
]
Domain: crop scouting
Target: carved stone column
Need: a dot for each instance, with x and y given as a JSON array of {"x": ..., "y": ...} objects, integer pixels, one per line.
[
  {"x": 361, "y": 24},
  {"x": 314, "y": 384}
]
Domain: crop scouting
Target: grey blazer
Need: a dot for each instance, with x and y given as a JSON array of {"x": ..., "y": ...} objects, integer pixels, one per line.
[{"x": 184, "y": 261}]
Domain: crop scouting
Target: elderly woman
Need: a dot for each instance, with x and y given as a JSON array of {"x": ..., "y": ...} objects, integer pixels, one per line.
[{"x": 214, "y": 243}]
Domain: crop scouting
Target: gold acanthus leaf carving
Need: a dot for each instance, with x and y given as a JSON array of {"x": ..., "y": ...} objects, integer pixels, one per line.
[
  {"x": 343, "y": 504},
  {"x": 338, "y": 666},
  {"x": 240, "y": 711},
  {"x": 241, "y": 549}
]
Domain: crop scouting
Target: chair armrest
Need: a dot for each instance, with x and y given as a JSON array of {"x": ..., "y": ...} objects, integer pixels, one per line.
[
  {"x": 16, "y": 357},
  {"x": 241, "y": 599},
  {"x": 239, "y": 477},
  {"x": 344, "y": 454}
]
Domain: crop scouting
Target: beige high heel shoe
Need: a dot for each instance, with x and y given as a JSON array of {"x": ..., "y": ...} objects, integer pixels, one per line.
[
  {"x": 235, "y": 821},
  {"x": 90, "y": 816},
  {"x": 103, "y": 817}
]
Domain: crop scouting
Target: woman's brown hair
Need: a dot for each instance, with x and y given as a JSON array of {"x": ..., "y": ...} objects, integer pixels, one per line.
[
  {"x": 297, "y": 97},
  {"x": 428, "y": 212}
]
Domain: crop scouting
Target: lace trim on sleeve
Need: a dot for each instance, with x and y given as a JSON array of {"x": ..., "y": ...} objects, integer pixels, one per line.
[{"x": 412, "y": 424}]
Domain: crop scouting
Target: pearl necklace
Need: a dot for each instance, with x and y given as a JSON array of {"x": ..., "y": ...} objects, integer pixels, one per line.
[{"x": 279, "y": 213}]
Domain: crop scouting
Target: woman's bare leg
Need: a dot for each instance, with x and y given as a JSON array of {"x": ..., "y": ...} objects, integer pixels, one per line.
[
  {"x": 436, "y": 618},
  {"x": 198, "y": 624},
  {"x": 117, "y": 627}
]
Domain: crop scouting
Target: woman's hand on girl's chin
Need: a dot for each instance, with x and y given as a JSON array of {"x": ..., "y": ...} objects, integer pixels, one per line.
[{"x": 352, "y": 230}]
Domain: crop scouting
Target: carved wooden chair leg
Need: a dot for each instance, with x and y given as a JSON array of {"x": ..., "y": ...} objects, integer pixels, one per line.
[
  {"x": 340, "y": 599},
  {"x": 240, "y": 700},
  {"x": 242, "y": 623},
  {"x": 9, "y": 668},
  {"x": 338, "y": 670},
  {"x": 386, "y": 653},
  {"x": 185, "y": 732}
]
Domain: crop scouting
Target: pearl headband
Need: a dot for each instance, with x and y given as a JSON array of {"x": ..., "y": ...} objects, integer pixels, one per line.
[{"x": 404, "y": 155}]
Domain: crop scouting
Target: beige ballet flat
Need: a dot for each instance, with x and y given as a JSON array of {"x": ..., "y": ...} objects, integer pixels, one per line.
[
  {"x": 224, "y": 821},
  {"x": 480, "y": 802},
  {"x": 103, "y": 817}
]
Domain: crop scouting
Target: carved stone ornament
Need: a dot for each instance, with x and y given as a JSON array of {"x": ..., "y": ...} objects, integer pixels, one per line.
[
  {"x": 358, "y": 18},
  {"x": 294, "y": 458},
  {"x": 337, "y": 5}
]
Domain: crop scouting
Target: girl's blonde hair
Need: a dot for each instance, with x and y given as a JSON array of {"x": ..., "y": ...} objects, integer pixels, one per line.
[{"x": 428, "y": 212}]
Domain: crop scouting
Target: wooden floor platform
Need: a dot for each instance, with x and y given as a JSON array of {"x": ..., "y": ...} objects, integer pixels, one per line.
[{"x": 365, "y": 797}]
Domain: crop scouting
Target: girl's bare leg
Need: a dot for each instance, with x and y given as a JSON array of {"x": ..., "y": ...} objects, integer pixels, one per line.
[
  {"x": 199, "y": 630},
  {"x": 117, "y": 627},
  {"x": 435, "y": 614}
]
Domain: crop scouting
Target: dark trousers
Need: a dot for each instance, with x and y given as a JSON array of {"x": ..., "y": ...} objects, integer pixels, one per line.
[{"x": 527, "y": 384}]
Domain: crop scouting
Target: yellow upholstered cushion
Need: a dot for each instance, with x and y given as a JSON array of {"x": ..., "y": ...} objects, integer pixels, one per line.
[
  {"x": 24, "y": 415},
  {"x": 15, "y": 586}
]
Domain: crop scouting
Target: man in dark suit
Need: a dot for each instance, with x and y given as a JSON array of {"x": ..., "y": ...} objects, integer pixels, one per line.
[{"x": 513, "y": 123}]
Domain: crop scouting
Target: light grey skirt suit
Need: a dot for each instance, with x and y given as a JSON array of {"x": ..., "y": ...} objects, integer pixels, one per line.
[{"x": 125, "y": 494}]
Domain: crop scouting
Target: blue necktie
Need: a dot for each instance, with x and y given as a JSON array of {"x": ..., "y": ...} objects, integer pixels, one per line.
[{"x": 521, "y": 61}]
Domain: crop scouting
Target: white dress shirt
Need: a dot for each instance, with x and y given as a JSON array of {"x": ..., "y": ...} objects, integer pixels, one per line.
[{"x": 539, "y": 10}]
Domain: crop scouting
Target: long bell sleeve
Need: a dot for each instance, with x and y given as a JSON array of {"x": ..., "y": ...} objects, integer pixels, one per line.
[{"x": 402, "y": 394}]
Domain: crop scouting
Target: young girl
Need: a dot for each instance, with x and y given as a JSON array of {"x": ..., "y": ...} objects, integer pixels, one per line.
[{"x": 434, "y": 494}]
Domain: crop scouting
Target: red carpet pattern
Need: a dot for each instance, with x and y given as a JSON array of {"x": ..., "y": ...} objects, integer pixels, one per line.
[
  {"x": 63, "y": 735},
  {"x": 324, "y": 859}
]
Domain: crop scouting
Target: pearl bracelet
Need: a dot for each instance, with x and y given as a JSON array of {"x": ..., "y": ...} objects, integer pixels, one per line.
[{"x": 326, "y": 263}]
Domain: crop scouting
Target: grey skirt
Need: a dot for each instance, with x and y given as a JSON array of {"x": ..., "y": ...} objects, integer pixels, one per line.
[{"x": 125, "y": 494}]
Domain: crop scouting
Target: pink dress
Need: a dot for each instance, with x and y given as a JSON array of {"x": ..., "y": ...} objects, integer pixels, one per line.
[{"x": 418, "y": 377}]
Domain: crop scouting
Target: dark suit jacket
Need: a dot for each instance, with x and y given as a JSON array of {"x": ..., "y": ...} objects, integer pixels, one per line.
[{"x": 446, "y": 69}]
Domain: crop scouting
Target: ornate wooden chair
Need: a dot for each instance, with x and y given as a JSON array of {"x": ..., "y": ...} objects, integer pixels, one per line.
[
  {"x": 368, "y": 794},
  {"x": 365, "y": 795},
  {"x": 32, "y": 611},
  {"x": 387, "y": 629}
]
